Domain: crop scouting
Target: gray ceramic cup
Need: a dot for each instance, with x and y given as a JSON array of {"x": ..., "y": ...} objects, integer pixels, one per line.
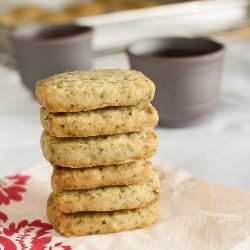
[
  {"x": 45, "y": 50},
  {"x": 186, "y": 73}
]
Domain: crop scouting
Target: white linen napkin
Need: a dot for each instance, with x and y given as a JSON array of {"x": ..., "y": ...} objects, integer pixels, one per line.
[{"x": 195, "y": 214}]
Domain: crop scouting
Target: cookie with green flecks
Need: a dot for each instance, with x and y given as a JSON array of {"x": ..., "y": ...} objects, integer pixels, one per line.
[
  {"x": 91, "y": 151},
  {"x": 86, "y": 90},
  {"x": 85, "y": 223},
  {"x": 104, "y": 121},
  {"x": 108, "y": 198},
  {"x": 99, "y": 176}
]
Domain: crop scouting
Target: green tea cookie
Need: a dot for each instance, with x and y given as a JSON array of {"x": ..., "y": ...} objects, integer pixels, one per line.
[
  {"x": 99, "y": 150},
  {"x": 87, "y": 90},
  {"x": 108, "y": 198},
  {"x": 104, "y": 121},
  {"x": 85, "y": 223},
  {"x": 109, "y": 175}
]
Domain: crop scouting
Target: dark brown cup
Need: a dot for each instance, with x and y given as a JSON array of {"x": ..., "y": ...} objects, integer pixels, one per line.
[
  {"x": 45, "y": 50},
  {"x": 186, "y": 73}
]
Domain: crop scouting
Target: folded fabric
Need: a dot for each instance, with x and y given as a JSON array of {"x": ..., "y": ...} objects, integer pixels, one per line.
[{"x": 195, "y": 214}]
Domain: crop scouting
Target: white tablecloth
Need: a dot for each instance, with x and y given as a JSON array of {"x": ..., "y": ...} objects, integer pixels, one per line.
[{"x": 217, "y": 150}]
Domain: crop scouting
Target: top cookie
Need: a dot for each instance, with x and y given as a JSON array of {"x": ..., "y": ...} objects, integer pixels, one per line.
[{"x": 87, "y": 90}]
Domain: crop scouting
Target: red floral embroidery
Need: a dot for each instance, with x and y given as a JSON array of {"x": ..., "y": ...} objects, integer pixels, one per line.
[
  {"x": 3, "y": 218},
  {"x": 27, "y": 236},
  {"x": 11, "y": 186}
]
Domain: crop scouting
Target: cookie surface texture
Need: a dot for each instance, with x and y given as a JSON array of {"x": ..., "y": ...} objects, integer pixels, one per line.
[
  {"x": 108, "y": 198},
  {"x": 85, "y": 223},
  {"x": 99, "y": 150},
  {"x": 110, "y": 175},
  {"x": 87, "y": 90},
  {"x": 104, "y": 121}
]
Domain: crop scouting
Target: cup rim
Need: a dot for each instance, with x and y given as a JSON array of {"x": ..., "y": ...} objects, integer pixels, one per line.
[
  {"x": 18, "y": 35},
  {"x": 221, "y": 49}
]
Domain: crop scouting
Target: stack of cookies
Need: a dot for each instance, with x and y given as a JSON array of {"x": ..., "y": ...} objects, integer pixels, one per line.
[{"x": 98, "y": 136}]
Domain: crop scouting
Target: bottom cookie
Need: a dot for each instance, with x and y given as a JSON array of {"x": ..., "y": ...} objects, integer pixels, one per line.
[{"x": 85, "y": 223}]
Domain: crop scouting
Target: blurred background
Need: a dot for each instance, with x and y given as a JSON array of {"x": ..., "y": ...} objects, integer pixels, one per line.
[{"x": 120, "y": 22}]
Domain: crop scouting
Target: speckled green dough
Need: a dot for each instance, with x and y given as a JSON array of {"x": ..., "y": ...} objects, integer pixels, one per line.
[
  {"x": 87, "y": 90},
  {"x": 98, "y": 136},
  {"x": 85, "y": 223},
  {"x": 99, "y": 150},
  {"x": 110, "y": 175},
  {"x": 108, "y": 198},
  {"x": 104, "y": 121}
]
